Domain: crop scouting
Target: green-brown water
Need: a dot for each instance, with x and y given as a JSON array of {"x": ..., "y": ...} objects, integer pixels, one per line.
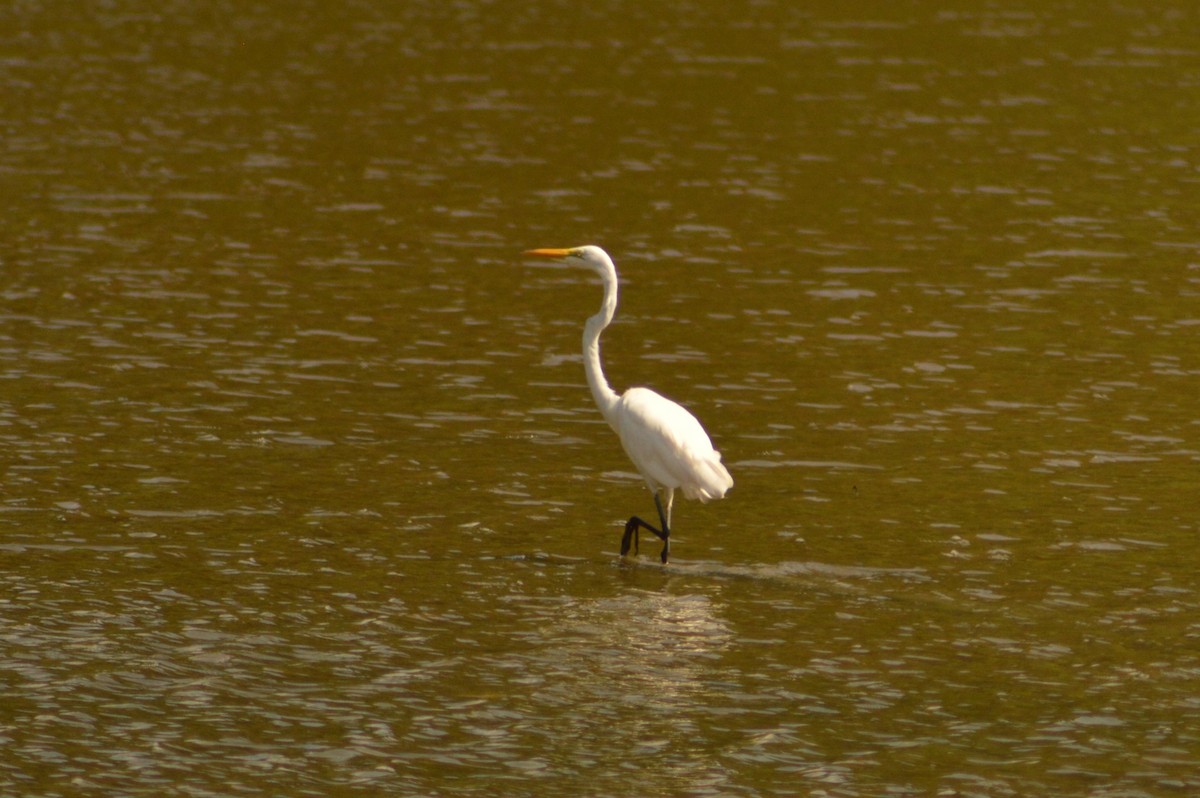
[{"x": 304, "y": 493}]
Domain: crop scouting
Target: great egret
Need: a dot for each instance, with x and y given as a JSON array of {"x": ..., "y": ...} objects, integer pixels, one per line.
[{"x": 666, "y": 442}]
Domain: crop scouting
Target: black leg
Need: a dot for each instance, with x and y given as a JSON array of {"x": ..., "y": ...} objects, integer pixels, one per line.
[
  {"x": 634, "y": 524},
  {"x": 631, "y": 534},
  {"x": 666, "y": 528}
]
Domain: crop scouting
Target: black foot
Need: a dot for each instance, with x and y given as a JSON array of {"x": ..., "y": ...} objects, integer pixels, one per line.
[{"x": 631, "y": 534}]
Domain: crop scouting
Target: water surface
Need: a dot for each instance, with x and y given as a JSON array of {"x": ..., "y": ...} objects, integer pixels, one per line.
[{"x": 304, "y": 491}]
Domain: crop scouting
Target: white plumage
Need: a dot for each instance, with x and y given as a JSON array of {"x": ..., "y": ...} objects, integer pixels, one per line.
[
  {"x": 669, "y": 447},
  {"x": 665, "y": 442}
]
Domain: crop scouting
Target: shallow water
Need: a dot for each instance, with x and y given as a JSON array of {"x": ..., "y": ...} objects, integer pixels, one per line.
[{"x": 304, "y": 492}]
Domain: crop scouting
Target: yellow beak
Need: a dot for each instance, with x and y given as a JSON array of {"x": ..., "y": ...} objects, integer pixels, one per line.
[{"x": 548, "y": 253}]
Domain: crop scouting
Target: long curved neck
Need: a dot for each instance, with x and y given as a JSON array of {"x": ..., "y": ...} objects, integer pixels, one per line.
[{"x": 606, "y": 398}]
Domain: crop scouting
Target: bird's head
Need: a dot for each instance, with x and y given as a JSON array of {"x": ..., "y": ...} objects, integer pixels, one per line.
[{"x": 589, "y": 255}]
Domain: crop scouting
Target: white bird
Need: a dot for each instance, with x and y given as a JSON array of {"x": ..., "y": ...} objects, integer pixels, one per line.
[{"x": 666, "y": 442}]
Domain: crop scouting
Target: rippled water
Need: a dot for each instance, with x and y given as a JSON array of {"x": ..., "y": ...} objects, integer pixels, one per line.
[{"x": 304, "y": 492}]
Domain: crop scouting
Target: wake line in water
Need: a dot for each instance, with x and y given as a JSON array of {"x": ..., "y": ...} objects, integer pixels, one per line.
[{"x": 791, "y": 571}]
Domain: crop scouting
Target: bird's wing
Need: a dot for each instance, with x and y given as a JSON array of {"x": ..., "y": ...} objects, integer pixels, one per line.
[{"x": 669, "y": 446}]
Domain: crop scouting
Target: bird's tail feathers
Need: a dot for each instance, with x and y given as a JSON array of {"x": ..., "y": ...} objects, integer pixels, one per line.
[{"x": 713, "y": 480}]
